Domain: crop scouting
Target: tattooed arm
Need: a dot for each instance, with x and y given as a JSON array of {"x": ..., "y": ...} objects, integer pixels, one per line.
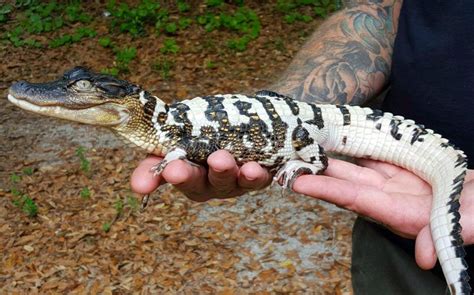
[{"x": 347, "y": 60}]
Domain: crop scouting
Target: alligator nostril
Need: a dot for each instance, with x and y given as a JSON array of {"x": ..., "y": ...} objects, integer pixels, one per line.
[{"x": 19, "y": 86}]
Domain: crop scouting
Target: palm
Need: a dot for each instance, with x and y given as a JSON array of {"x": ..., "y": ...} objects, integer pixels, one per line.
[{"x": 388, "y": 194}]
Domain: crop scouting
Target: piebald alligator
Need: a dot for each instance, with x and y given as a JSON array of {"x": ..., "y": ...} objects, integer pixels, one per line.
[{"x": 288, "y": 137}]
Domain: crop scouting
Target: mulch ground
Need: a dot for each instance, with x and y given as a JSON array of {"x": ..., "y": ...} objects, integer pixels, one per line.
[{"x": 265, "y": 242}]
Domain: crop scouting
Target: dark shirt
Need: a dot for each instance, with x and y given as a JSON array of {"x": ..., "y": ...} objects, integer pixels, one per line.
[{"x": 432, "y": 79}]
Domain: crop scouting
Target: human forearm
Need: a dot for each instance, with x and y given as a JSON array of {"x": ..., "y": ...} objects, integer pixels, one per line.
[{"x": 347, "y": 60}]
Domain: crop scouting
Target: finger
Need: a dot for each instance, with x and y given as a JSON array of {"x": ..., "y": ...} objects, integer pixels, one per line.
[
  {"x": 397, "y": 211},
  {"x": 189, "y": 179},
  {"x": 337, "y": 191},
  {"x": 386, "y": 169},
  {"x": 223, "y": 172},
  {"x": 142, "y": 180},
  {"x": 253, "y": 176},
  {"x": 425, "y": 254},
  {"x": 354, "y": 173}
]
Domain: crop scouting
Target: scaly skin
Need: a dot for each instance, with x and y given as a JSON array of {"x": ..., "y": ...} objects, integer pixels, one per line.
[{"x": 289, "y": 137}]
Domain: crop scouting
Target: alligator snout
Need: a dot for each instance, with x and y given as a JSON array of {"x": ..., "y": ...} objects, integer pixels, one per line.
[{"x": 18, "y": 88}]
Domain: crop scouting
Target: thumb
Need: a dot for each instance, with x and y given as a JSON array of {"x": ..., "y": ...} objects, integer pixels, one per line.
[{"x": 425, "y": 253}]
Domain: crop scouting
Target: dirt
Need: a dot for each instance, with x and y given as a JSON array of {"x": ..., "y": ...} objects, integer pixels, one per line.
[{"x": 265, "y": 242}]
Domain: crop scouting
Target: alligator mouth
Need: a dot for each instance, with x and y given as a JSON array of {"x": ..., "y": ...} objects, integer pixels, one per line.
[{"x": 105, "y": 114}]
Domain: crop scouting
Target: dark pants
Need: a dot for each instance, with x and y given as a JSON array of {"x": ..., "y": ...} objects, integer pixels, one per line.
[{"x": 384, "y": 263}]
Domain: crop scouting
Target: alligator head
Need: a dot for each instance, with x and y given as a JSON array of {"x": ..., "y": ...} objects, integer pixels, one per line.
[{"x": 83, "y": 96}]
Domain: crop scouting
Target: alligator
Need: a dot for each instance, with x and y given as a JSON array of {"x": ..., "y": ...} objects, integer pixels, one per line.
[{"x": 288, "y": 137}]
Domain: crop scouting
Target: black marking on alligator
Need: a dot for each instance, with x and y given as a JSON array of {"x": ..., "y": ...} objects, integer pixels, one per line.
[
  {"x": 346, "y": 115},
  {"x": 394, "y": 124},
  {"x": 378, "y": 126},
  {"x": 375, "y": 115},
  {"x": 445, "y": 144},
  {"x": 292, "y": 104},
  {"x": 149, "y": 109},
  {"x": 278, "y": 125},
  {"x": 277, "y": 164},
  {"x": 323, "y": 158},
  {"x": 269, "y": 93},
  {"x": 301, "y": 138},
  {"x": 461, "y": 161},
  {"x": 313, "y": 159},
  {"x": 417, "y": 132},
  {"x": 344, "y": 140},
  {"x": 243, "y": 107},
  {"x": 318, "y": 117},
  {"x": 163, "y": 116},
  {"x": 179, "y": 111},
  {"x": 215, "y": 110}
]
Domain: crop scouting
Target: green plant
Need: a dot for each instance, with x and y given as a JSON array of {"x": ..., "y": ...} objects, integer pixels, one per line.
[
  {"x": 27, "y": 205},
  {"x": 4, "y": 11},
  {"x": 123, "y": 57},
  {"x": 15, "y": 178},
  {"x": 169, "y": 46},
  {"x": 133, "y": 203},
  {"x": 85, "y": 193},
  {"x": 118, "y": 206},
  {"x": 133, "y": 19},
  {"x": 74, "y": 13},
  {"x": 213, "y": 3},
  {"x": 85, "y": 163},
  {"x": 106, "y": 226},
  {"x": 244, "y": 21},
  {"x": 105, "y": 42},
  {"x": 324, "y": 7},
  {"x": 184, "y": 23},
  {"x": 210, "y": 64},
  {"x": 164, "y": 67},
  {"x": 15, "y": 192},
  {"x": 40, "y": 18},
  {"x": 15, "y": 36},
  {"x": 27, "y": 171},
  {"x": 171, "y": 28},
  {"x": 296, "y": 16},
  {"x": 110, "y": 71},
  {"x": 79, "y": 34},
  {"x": 321, "y": 8},
  {"x": 182, "y": 6}
]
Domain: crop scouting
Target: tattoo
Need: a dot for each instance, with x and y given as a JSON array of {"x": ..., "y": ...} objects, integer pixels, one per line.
[{"x": 347, "y": 60}]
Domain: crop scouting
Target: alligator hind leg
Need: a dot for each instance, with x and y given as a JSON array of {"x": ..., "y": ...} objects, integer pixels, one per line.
[{"x": 312, "y": 160}]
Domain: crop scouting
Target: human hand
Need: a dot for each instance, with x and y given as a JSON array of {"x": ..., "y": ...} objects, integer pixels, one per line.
[
  {"x": 223, "y": 178},
  {"x": 391, "y": 195}
]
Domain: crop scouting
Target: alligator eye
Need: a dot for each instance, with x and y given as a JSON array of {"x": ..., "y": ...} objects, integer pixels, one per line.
[{"x": 83, "y": 84}]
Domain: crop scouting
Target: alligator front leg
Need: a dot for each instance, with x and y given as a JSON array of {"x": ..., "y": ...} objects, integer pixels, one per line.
[{"x": 173, "y": 155}]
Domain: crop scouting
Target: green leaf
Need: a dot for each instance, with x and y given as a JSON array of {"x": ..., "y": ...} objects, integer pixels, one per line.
[
  {"x": 182, "y": 6},
  {"x": 85, "y": 193},
  {"x": 171, "y": 28},
  {"x": 105, "y": 42},
  {"x": 106, "y": 226}
]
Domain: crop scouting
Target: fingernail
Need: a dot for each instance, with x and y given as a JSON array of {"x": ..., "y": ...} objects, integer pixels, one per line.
[{"x": 249, "y": 178}]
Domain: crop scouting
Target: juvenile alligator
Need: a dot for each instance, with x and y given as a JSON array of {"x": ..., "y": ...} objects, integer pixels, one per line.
[{"x": 289, "y": 137}]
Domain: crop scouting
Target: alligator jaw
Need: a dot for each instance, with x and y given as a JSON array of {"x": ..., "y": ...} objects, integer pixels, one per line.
[{"x": 108, "y": 114}]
